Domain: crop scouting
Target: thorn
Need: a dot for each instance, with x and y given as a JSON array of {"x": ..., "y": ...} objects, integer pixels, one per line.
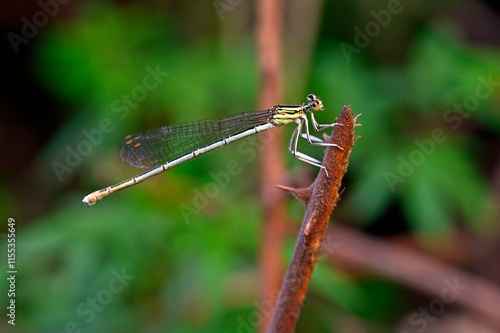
[
  {"x": 340, "y": 195},
  {"x": 308, "y": 225},
  {"x": 357, "y": 138},
  {"x": 303, "y": 194},
  {"x": 356, "y": 118}
]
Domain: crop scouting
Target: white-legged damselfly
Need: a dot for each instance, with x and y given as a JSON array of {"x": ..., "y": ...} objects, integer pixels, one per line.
[{"x": 163, "y": 148}]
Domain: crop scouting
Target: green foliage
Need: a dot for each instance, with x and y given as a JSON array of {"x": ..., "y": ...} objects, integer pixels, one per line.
[
  {"x": 427, "y": 90},
  {"x": 197, "y": 271},
  {"x": 71, "y": 255}
]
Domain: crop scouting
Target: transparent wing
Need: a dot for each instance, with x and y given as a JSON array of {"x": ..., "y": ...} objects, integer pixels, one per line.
[{"x": 151, "y": 148}]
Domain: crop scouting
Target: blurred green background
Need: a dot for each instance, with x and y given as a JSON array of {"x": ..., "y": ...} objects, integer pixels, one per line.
[{"x": 427, "y": 166}]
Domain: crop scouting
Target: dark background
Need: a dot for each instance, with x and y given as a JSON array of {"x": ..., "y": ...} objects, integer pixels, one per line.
[{"x": 423, "y": 176}]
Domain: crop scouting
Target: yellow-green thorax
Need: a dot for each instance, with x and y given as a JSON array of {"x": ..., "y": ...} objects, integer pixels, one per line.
[{"x": 285, "y": 114}]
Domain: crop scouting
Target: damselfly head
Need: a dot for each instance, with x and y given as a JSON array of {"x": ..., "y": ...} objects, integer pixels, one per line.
[{"x": 314, "y": 103}]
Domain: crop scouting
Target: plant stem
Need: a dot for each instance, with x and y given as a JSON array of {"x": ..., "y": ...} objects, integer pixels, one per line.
[{"x": 321, "y": 198}]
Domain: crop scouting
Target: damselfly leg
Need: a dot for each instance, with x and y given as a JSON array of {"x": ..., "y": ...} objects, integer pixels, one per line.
[{"x": 311, "y": 139}]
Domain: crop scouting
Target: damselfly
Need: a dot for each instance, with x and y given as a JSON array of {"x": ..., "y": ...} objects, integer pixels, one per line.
[{"x": 163, "y": 148}]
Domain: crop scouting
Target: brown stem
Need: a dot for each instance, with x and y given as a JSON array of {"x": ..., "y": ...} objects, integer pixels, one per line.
[
  {"x": 270, "y": 16},
  {"x": 322, "y": 198}
]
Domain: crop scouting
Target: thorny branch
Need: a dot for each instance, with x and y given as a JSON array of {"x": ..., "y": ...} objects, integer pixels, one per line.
[{"x": 320, "y": 198}]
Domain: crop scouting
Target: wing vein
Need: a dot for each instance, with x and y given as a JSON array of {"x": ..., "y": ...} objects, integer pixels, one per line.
[{"x": 151, "y": 148}]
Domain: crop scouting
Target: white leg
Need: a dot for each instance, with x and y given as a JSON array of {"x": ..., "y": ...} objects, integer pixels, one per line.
[
  {"x": 312, "y": 137},
  {"x": 292, "y": 147},
  {"x": 310, "y": 160},
  {"x": 321, "y": 144},
  {"x": 320, "y": 127}
]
